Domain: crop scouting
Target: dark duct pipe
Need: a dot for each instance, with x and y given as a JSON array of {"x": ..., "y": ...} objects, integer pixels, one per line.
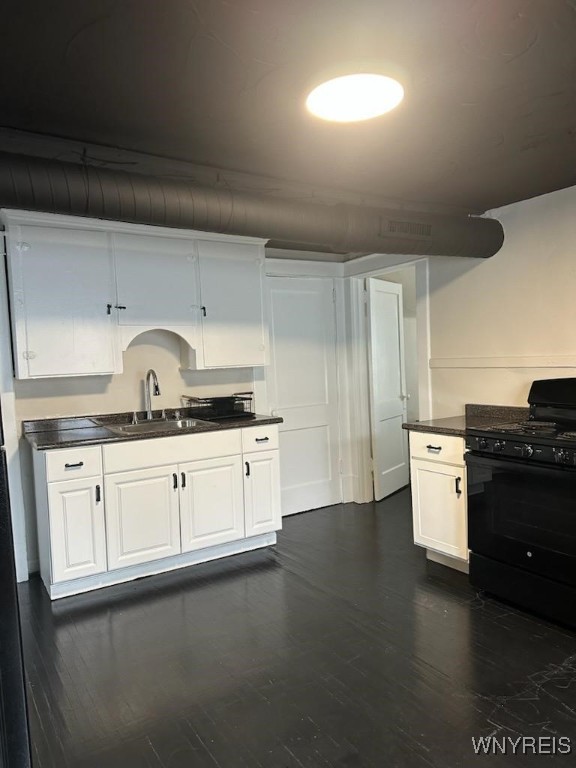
[{"x": 34, "y": 183}]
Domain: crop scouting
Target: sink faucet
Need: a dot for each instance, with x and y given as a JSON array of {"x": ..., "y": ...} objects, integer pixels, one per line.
[{"x": 151, "y": 380}]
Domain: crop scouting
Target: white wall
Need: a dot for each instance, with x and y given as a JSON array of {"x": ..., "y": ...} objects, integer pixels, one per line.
[{"x": 497, "y": 324}]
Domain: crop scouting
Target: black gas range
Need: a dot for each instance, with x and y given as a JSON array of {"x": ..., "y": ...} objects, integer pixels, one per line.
[
  {"x": 544, "y": 441},
  {"x": 521, "y": 480}
]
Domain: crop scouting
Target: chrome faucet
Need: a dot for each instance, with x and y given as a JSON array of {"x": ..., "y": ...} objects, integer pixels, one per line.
[{"x": 151, "y": 380}]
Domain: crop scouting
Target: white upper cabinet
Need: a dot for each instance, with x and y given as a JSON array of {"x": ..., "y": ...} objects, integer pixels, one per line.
[
  {"x": 82, "y": 289},
  {"x": 62, "y": 293},
  {"x": 157, "y": 281},
  {"x": 231, "y": 285}
]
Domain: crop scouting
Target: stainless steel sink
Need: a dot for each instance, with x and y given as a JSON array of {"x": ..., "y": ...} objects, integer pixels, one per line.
[{"x": 160, "y": 425}]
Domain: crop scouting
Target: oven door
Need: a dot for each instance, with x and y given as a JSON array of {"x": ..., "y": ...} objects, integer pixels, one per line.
[{"x": 523, "y": 515}]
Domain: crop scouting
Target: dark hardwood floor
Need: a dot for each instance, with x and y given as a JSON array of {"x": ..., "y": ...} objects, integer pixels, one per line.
[{"x": 342, "y": 647}]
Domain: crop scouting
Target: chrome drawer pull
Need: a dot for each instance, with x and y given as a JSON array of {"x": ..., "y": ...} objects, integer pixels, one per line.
[{"x": 434, "y": 448}]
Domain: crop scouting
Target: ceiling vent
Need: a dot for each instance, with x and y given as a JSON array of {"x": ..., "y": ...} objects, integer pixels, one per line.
[{"x": 410, "y": 228}]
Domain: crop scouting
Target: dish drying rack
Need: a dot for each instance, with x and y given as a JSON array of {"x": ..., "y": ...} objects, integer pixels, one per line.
[{"x": 238, "y": 405}]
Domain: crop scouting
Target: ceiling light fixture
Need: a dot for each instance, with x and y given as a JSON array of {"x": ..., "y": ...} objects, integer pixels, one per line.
[{"x": 352, "y": 98}]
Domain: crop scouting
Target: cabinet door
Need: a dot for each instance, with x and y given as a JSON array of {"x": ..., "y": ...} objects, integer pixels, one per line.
[
  {"x": 439, "y": 507},
  {"x": 262, "y": 492},
  {"x": 62, "y": 283},
  {"x": 142, "y": 516},
  {"x": 77, "y": 528},
  {"x": 157, "y": 281},
  {"x": 231, "y": 280},
  {"x": 211, "y": 506}
]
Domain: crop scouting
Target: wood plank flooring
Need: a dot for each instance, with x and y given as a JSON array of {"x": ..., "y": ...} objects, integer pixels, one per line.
[{"x": 341, "y": 647}]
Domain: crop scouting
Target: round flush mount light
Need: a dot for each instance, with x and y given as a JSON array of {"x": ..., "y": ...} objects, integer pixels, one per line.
[{"x": 355, "y": 97}]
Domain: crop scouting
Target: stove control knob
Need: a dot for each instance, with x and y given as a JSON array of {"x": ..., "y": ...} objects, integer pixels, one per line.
[
  {"x": 498, "y": 446},
  {"x": 482, "y": 443},
  {"x": 527, "y": 451},
  {"x": 562, "y": 457}
]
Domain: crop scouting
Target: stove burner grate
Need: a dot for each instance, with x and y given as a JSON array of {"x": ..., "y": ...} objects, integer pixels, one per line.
[
  {"x": 536, "y": 426},
  {"x": 506, "y": 427}
]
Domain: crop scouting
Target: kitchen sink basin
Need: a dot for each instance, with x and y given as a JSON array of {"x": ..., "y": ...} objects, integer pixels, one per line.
[{"x": 160, "y": 425}]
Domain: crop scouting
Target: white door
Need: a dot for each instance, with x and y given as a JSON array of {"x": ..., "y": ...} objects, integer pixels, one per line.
[
  {"x": 157, "y": 281},
  {"x": 262, "y": 492},
  {"x": 63, "y": 293},
  {"x": 387, "y": 387},
  {"x": 211, "y": 502},
  {"x": 77, "y": 528},
  {"x": 142, "y": 516},
  {"x": 302, "y": 387},
  {"x": 439, "y": 507},
  {"x": 231, "y": 286}
]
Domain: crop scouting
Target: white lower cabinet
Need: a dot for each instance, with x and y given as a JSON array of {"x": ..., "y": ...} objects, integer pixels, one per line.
[
  {"x": 180, "y": 500},
  {"x": 439, "y": 507},
  {"x": 439, "y": 494},
  {"x": 262, "y": 492},
  {"x": 211, "y": 504},
  {"x": 76, "y": 528},
  {"x": 142, "y": 516}
]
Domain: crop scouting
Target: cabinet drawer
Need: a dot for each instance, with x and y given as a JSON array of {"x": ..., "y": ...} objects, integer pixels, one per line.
[
  {"x": 72, "y": 463},
  {"x": 427, "y": 445},
  {"x": 263, "y": 438}
]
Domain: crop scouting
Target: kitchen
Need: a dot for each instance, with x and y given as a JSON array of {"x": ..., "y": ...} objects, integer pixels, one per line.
[{"x": 495, "y": 325}]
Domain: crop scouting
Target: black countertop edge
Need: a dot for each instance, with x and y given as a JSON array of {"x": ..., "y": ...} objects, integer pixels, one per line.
[
  {"x": 475, "y": 416},
  {"x": 96, "y": 433}
]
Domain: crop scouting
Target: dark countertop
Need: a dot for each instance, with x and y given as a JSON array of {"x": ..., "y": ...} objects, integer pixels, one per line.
[
  {"x": 70, "y": 432},
  {"x": 475, "y": 416}
]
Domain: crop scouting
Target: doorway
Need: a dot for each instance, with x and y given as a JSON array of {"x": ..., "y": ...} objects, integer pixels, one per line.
[
  {"x": 412, "y": 276},
  {"x": 393, "y": 375}
]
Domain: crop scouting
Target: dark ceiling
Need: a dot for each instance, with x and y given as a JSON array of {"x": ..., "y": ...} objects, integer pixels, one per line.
[{"x": 489, "y": 116}]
